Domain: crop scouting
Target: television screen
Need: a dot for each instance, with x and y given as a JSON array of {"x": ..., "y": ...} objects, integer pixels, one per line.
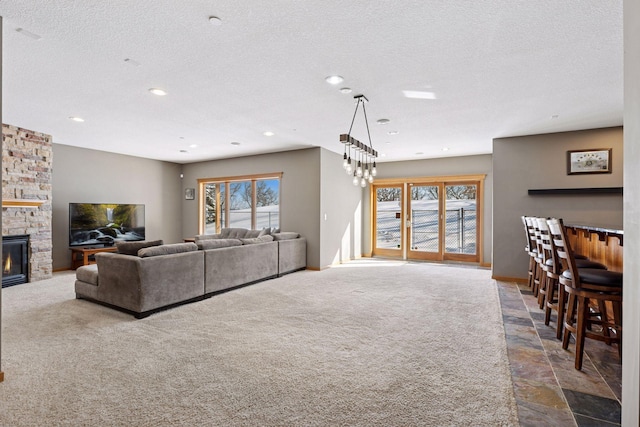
[{"x": 105, "y": 223}]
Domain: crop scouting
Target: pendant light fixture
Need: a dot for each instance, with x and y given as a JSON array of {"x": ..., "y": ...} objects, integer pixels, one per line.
[{"x": 363, "y": 164}]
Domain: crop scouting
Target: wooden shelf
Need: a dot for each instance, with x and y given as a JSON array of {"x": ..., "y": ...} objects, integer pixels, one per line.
[
  {"x": 575, "y": 191},
  {"x": 22, "y": 203}
]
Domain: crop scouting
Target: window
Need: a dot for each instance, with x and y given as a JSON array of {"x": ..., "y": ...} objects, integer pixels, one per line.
[{"x": 242, "y": 202}]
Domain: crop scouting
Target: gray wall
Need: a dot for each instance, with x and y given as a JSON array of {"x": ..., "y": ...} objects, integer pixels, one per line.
[
  {"x": 539, "y": 162},
  {"x": 468, "y": 165},
  {"x": 317, "y": 199},
  {"x": 299, "y": 191},
  {"x": 631, "y": 295},
  {"x": 341, "y": 212},
  {"x": 89, "y": 176}
]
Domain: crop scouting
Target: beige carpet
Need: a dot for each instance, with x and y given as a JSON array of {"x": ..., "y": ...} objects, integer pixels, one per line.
[{"x": 369, "y": 343}]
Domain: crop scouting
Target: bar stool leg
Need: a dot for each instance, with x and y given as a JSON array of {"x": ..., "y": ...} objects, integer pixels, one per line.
[
  {"x": 617, "y": 318},
  {"x": 552, "y": 284},
  {"x": 562, "y": 301},
  {"x": 583, "y": 313},
  {"x": 604, "y": 318},
  {"x": 569, "y": 320}
]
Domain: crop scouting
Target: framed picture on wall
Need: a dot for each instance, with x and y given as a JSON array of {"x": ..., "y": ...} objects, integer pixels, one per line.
[
  {"x": 589, "y": 161},
  {"x": 189, "y": 193}
]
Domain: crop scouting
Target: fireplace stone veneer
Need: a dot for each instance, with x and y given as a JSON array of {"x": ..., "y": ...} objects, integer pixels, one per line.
[{"x": 26, "y": 175}]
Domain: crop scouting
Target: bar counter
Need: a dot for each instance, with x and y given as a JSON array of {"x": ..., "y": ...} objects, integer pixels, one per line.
[{"x": 600, "y": 244}]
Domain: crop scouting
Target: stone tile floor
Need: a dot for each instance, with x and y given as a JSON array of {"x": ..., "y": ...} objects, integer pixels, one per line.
[{"x": 549, "y": 390}]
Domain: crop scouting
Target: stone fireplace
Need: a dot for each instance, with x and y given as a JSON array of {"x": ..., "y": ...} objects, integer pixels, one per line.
[{"x": 26, "y": 198}]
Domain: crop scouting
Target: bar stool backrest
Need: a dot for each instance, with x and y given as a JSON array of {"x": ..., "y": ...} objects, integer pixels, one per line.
[
  {"x": 530, "y": 234},
  {"x": 527, "y": 248},
  {"x": 548, "y": 251},
  {"x": 563, "y": 250}
]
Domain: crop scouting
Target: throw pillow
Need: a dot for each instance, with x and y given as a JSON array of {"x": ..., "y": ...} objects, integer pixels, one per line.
[
  {"x": 252, "y": 234},
  {"x": 265, "y": 232},
  {"x": 132, "y": 248}
]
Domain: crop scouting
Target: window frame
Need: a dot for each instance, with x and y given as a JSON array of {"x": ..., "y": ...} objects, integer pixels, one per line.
[{"x": 202, "y": 182}]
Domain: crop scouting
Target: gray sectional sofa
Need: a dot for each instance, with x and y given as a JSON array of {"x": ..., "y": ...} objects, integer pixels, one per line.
[{"x": 145, "y": 277}]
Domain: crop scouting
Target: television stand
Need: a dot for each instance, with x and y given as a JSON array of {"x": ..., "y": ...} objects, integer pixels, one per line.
[{"x": 84, "y": 256}]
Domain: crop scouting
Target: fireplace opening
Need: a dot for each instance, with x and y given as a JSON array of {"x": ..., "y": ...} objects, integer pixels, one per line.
[{"x": 15, "y": 260}]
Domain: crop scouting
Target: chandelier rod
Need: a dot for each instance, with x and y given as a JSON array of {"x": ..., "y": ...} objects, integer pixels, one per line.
[
  {"x": 354, "y": 116},
  {"x": 366, "y": 121}
]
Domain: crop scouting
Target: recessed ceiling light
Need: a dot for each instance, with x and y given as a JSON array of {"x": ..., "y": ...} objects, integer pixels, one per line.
[
  {"x": 183, "y": 151},
  {"x": 445, "y": 148},
  {"x": 419, "y": 153},
  {"x": 193, "y": 146},
  {"x": 214, "y": 20},
  {"x": 419, "y": 94},
  {"x": 334, "y": 80},
  {"x": 388, "y": 142},
  {"x": 157, "y": 91},
  {"x": 555, "y": 116},
  {"x": 28, "y": 34},
  {"x": 393, "y": 132},
  {"x": 268, "y": 133},
  {"x": 77, "y": 119},
  {"x": 235, "y": 143},
  {"x": 345, "y": 90},
  {"x": 383, "y": 121},
  {"x": 383, "y": 155}
]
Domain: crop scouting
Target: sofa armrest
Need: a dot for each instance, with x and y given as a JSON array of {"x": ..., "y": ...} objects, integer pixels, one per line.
[
  {"x": 143, "y": 284},
  {"x": 292, "y": 255},
  {"x": 119, "y": 280}
]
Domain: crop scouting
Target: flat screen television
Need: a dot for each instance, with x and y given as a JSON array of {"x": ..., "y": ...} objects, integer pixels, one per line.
[{"x": 102, "y": 224}]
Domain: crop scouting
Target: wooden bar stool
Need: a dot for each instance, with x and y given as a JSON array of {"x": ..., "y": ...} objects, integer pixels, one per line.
[
  {"x": 584, "y": 286},
  {"x": 555, "y": 298},
  {"x": 537, "y": 259},
  {"x": 530, "y": 249}
]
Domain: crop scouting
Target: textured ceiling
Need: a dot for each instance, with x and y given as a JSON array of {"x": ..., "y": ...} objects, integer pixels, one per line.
[{"x": 497, "y": 69}]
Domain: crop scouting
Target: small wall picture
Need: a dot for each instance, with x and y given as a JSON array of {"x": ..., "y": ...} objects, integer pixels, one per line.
[
  {"x": 189, "y": 193},
  {"x": 589, "y": 161}
]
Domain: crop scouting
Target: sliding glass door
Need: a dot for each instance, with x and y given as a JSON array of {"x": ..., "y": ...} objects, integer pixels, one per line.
[
  {"x": 424, "y": 222},
  {"x": 388, "y": 230},
  {"x": 461, "y": 229},
  {"x": 434, "y": 220}
]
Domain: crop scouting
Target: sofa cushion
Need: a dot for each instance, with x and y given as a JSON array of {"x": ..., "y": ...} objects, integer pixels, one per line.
[
  {"x": 132, "y": 248},
  {"x": 262, "y": 239},
  {"x": 234, "y": 233},
  {"x": 88, "y": 273},
  {"x": 217, "y": 243},
  {"x": 285, "y": 235},
  {"x": 174, "y": 248},
  {"x": 200, "y": 237}
]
